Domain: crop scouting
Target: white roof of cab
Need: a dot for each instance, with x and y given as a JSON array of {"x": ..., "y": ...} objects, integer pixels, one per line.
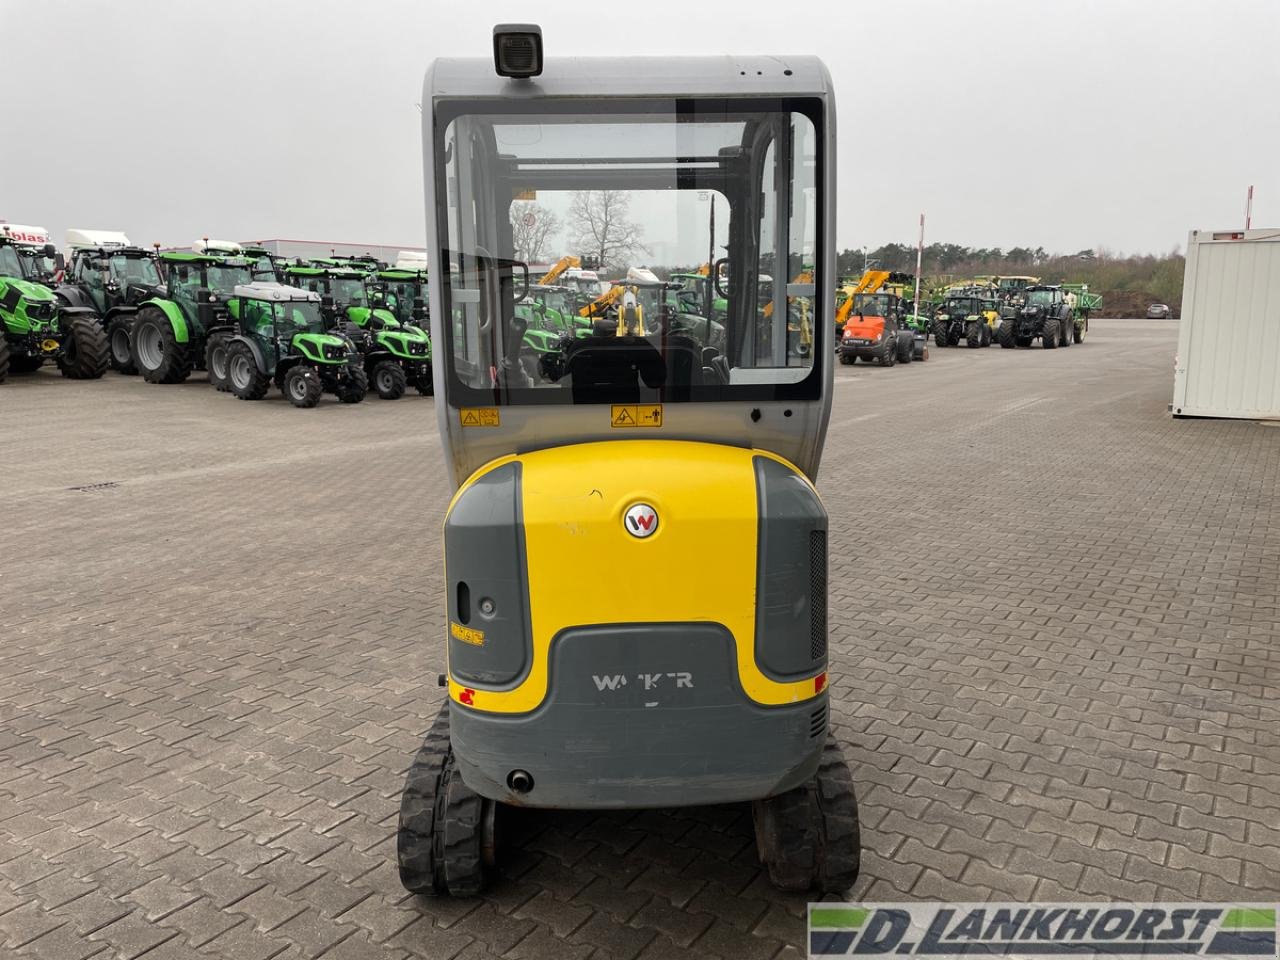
[
  {"x": 726, "y": 76},
  {"x": 411, "y": 260},
  {"x": 96, "y": 239},
  {"x": 22, "y": 233},
  {"x": 274, "y": 291},
  {"x": 206, "y": 245}
]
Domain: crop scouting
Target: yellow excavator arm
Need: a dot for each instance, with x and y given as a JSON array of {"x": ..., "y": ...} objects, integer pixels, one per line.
[
  {"x": 561, "y": 265},
  {"x": 600, "y": 304},
  {"x": 804, "y": 276},
  {"x": 872, "y": 281}
]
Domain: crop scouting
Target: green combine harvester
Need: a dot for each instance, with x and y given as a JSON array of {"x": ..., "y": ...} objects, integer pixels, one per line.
[
  {"x": 394, "y": 354},
  {"x": 275, "y": 334},
  {"x": 35, "y": 326}
]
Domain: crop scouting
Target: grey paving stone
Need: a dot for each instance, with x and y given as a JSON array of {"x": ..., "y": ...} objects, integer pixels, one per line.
[{"x": 1090, "y": 714}]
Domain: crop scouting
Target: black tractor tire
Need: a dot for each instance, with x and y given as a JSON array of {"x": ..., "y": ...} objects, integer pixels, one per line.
[
  {"x": 354, "y": 389},
  {"x": 973, "y": 335},
  {"x": 22, "y": 363},
  {"x": 302, "y": 386},
  {"x": 1064, "y": 332},
  {"x": 424, "y": 382},
  {"x": 1005, "y": 334},
  {"x": 389, "y": 379},
  {"x": 847, "y": 359},
  {"x": 245, "y": 378},
  {"x": 4, "y": 358},
  {"x": 156, "y": 352},
  {"x": 940, "y": 333},
  {"x": 215, "y": 362},
  {"x": 986, "y": 334},
  {"x": 420, "y": 804},
  {"x": 85, "y": 352},
  {"x": 887, "y": 352},
  {"x": 1049, "y": 336},
  {"x": 808, "y": 838},
  {"x": 906, "y": 346},
  {"x": 1079, "y": 329},
  {"x": 119, "y": 329}
]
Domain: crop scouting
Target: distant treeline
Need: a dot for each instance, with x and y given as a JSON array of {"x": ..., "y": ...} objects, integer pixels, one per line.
[{"x": 1128, "y": 285}]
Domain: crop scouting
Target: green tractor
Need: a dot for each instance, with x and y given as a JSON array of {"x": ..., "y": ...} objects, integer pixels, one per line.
[
  {"x": 275, "y": 334},
  {"x": 404, "y": 293},
  {"x": 110, "y": 277},
  {"x": 35, "y": 327},
  {"x": 394, "y": 354},
  {"x": 690, "y": 293},
  {"x": 265, "y": 266},
  {"x": 170, "y": 335},
  {"x": 966, "y": 316}
]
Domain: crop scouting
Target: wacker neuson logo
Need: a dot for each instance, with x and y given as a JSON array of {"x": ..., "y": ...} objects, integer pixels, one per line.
[{"x": 1043, "y": 929}]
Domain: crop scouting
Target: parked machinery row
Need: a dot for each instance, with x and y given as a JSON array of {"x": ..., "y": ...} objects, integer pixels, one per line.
[
  {"x": 336, "y": 325},
  {"x": 875, "y": 322},
  {"x": 1015, "y": 311}
]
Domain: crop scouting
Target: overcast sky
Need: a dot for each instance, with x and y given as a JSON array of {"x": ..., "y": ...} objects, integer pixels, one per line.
[{"x": 1061, "y": 123}]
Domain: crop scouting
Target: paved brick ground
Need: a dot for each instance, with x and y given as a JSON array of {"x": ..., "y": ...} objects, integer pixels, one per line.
[{"x": 1055, "y": 648}]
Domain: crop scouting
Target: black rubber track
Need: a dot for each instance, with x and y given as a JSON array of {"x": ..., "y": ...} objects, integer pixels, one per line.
[
  {"x": 840, "y": 839},
  {"x": 415, "y": 851},
  {"x": 458, "y": 838}
]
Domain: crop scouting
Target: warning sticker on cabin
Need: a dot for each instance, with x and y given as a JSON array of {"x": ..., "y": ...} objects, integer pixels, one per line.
[
  {"x": 636, "y": 415},
  {"x": 479, "y": 416},
  {"x": 466, "y": 634}
]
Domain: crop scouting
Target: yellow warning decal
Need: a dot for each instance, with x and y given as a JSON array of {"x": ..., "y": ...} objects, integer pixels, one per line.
[
  {"x": 466, "y": 634},
  {"x": 636, "y": 415},
  {"x": 479, "y": 416}
]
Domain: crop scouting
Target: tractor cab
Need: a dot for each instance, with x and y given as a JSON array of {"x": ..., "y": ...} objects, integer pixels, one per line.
[
  {"x": 345, "y": 292},
  {"x": 653, "y": 449},
  {"x": 1012, "y": 290},
  {"x": 38, "y": 261},
  {"x": 110, "y": 278},
  {"x": 265, "y": 266},
  {"x": 404, "y": 294},
  {"x": 201, "y": 284},
  {"x": 869, "y": 313}
]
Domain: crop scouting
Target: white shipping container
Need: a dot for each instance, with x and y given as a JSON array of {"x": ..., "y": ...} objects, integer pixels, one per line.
[{"x": 1228, "y": 362}]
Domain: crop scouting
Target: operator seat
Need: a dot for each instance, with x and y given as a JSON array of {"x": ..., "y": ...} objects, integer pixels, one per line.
[{"x": 609, "y": 369}]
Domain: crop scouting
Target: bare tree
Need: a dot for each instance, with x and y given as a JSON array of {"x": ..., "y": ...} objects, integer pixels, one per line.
[
  {"x": 600, "y": 225},
  {"x": 532, "y": 227}
]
